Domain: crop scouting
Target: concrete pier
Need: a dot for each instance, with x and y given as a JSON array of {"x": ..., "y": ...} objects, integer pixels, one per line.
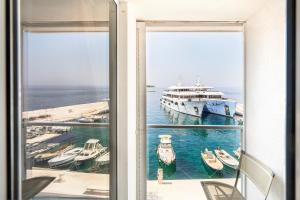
[{"x": 66, "y": 113}]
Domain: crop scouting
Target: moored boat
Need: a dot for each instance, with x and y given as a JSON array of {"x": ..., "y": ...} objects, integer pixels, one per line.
[
  {"x": 211, "y": 161},
  {"x": 165, "y": 151},
  {"x": 92, "y": 149},
  {"x": 226, "y": 158},
  {"x": 65, "y": 158},
  {"x": 103, "y": 159},
  {"x": 237, "y": 152},
  {"x": 51, "y": 154}
]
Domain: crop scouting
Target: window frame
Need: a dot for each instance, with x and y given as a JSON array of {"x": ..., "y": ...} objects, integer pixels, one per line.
[
  {"x": 142, "y": 28},
  {"x": 14, "y": 33}
]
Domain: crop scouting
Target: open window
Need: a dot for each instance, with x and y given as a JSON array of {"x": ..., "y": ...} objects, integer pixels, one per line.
[
  {"x": 191, "y": 99},
  {"x": 65, "y": 97}
]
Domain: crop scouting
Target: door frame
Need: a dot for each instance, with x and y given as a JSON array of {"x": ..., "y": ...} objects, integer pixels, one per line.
[{"x": 142, "y": 27}]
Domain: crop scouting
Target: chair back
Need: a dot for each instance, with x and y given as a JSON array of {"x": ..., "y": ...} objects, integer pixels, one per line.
[{"x": 257, "y": 172}]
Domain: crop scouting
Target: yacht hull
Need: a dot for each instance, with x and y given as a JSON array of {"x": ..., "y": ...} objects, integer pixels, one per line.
[
  {"x": 193, "y": 108},
  {"x": 220, "y": 107}
]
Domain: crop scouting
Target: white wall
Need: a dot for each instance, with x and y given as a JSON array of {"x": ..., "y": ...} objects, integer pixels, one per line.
[
  {"x": 196, "y": 10},
  {"x": 64, "y": 10},
  {"x": 266, "y": 92},
  {"x": 127, "y": 65},
  {"x": 2, "y": 104}
]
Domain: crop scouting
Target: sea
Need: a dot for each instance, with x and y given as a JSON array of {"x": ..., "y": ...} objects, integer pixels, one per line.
[{"x": 187, "y": 143}]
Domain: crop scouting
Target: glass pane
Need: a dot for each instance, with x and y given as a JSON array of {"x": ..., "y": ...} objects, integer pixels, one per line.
[
  {"x": 66, "y": 93},
  {"x": 193, "y": 78}
]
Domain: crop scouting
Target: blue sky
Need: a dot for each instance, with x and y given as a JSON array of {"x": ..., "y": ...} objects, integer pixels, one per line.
[
  {"x": 216, "y": 58},
  {"x": 81, "y": 59},
  {"x": 66, "y": 59}
]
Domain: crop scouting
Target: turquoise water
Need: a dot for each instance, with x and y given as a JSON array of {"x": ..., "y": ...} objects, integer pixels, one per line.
[{"x": 187, "y": 143}]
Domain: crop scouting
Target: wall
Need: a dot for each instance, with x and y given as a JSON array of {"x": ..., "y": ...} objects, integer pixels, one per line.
[
  {"x": 63, "y": 10},
  {"x": 127, "y": 78},
  {"x": 266, "y": 92},
  {"x": 2, "y": 104}
]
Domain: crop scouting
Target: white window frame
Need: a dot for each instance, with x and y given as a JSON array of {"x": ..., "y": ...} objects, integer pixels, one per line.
[
  {"x": 15, "y": 43},
  {"x": 171, "y": 26},
  {"x": 60, "y": 27}
]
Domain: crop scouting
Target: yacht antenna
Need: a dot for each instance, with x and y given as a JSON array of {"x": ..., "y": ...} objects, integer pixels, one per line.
[
  {"x": 198, "y": 83},
  {"x": 179, "y": 82}
]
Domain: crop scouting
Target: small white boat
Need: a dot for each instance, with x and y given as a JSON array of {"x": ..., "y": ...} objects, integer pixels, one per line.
[
  {"x": 92, "y": 149},
  {"x": 85, "y": 120},
  {"x": 103, "y": 159},
  {"x": 226, "y": 158},
  {"x": 65, "y": 158},
  {"x": 51, "y": 154},
  {"x": 211, "y": 161},
  {"x": 165, "y": 151},
  {"x": 238, "y": 152},
  {"x": 40, "y": 148}
]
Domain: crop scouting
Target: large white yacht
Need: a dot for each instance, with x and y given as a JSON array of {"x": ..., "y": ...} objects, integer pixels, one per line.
[{"x": 194, "y": 100}]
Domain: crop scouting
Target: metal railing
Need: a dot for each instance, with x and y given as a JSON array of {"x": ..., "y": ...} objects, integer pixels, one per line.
[
  {"x": 106, "y": 125},
  {"x": 235, "y": 127},
  {"x": 71, "y": 124}
]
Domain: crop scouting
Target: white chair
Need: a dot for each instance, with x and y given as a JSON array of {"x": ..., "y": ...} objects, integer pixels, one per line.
[{"x": 254, "y": 170}]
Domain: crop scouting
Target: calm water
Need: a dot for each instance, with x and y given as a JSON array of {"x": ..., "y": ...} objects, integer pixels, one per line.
[
  {"x": 50, "y": 97},
  {"x": 187, "y": 143}
]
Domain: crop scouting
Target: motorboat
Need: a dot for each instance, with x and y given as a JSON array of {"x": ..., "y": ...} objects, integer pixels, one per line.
[
  {"x": 226, "y": 158},
  {"x": 51, "y": 154},
  {"x": 38, "y": 148},
  {"x": 238, "y": 152},
  {"x": 92, "y": 149},
  {"x": 165, "y": 151},
  {"x": 85, "y": 120},
  {"x": 211, "y": 161},
  {"x": 103, "y": 159},
  {"x": 65, "y": 158}
]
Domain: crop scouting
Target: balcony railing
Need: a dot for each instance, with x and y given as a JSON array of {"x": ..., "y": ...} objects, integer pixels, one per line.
[{"x": 106, "y": 125}]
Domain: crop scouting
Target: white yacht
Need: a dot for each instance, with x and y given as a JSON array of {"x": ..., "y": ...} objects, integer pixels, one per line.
[
  {"x": 92, "y": 149},
  {"x": 194, "y": 100},
  {"x": 165, "y": 151}
]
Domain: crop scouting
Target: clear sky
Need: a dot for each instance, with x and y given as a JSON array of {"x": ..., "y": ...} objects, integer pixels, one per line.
[
  {"x": 66, "y": 59},
  {"x": 81, "y": 59},
  {"x": 216, "y": 58}
]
